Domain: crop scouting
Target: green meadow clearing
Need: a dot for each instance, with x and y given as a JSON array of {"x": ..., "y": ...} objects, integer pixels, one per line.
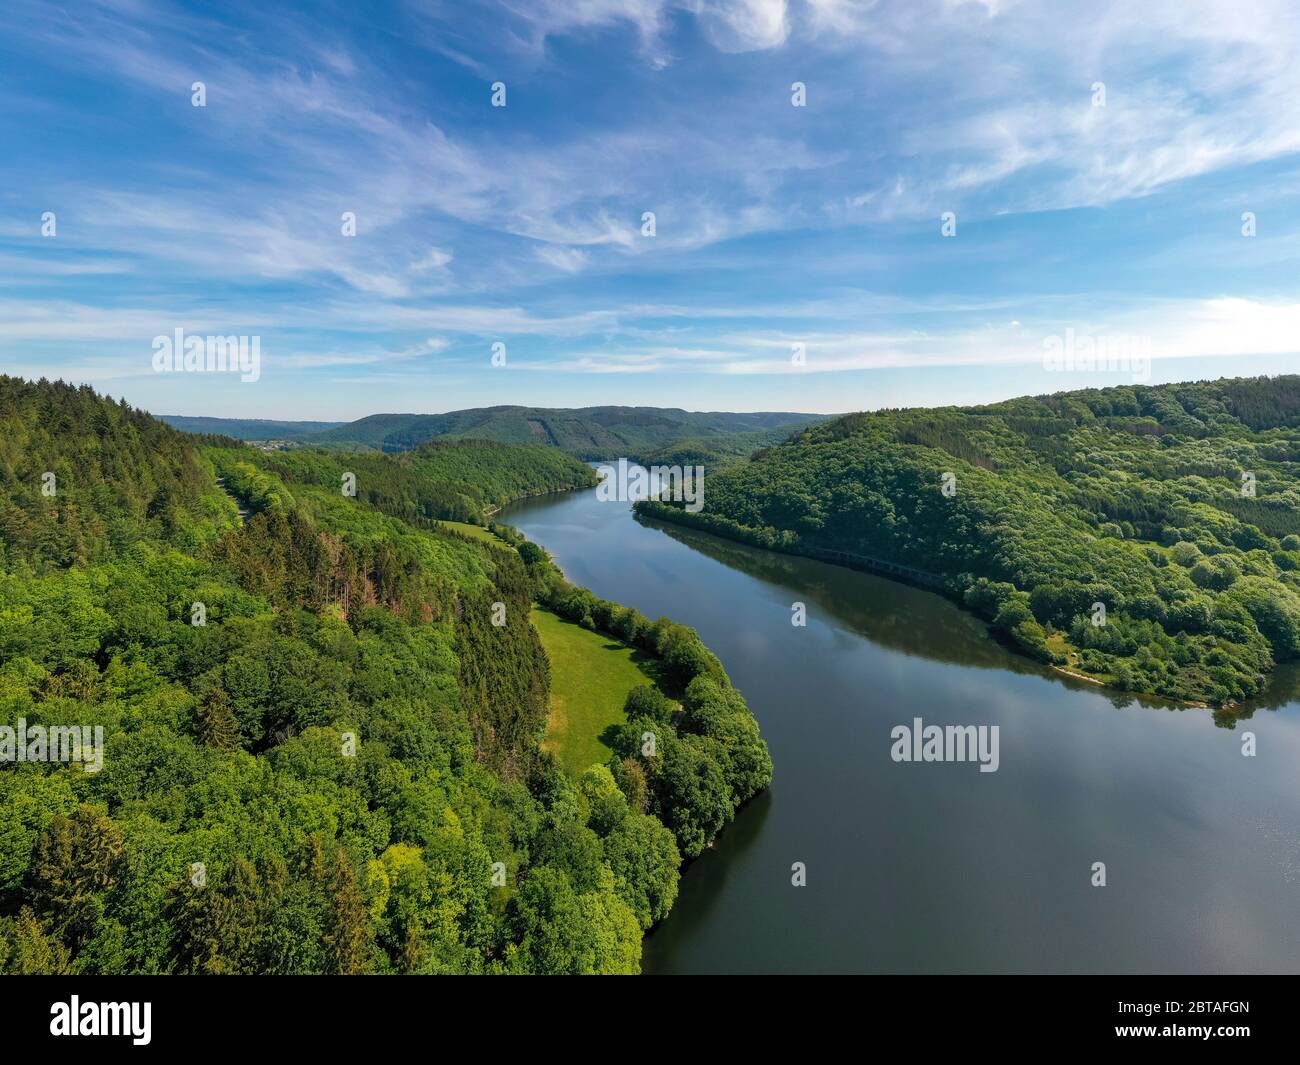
[
  {"x": 476, "y": 531},
  {"x": 591, "y": 675}
]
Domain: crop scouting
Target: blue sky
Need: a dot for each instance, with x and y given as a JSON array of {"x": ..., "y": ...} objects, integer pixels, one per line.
[{"x": 775, "y": 225}]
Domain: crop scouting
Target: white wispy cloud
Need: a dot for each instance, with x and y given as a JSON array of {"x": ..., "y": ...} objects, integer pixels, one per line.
[
  {"x": 474, "y": 223},
  {"x": 570, "y": 260},
  {"x": 1225, "y": 328}
]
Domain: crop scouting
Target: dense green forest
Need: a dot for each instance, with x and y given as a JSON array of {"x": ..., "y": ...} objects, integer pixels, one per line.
[
  {"x": 1148, "y": 537},
  {"x": 452, "y": 480},
  {"x": 320, "y": 722},
  {"x": 713, "y": 452},
  {"x": 589, "y": 433}
]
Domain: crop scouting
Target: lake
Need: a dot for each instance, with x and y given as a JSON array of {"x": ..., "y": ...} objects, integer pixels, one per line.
[{"x": 937, "y": 867}]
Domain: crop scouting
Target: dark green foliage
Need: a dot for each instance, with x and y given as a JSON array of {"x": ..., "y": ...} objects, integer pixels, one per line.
[
  {"x": 531, "y": 553},
  {"x": 504, "y": 676},
  {"x": 718, "y": 451},
  {"x": 589, "y": 433},
  {"x": 320, "y": 776},
  {"x": 649, "y": 701},
  {"x": 717, "y": 711},
  {"x": 690, "y": 789},
  {"x": 82, "y": 477},
  {"x": 1137, "y": 498},
  {"x": 453, "y": 481}
]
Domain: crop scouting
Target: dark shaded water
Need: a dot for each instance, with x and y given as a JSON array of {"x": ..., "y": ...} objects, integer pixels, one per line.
[{"x": 937, "y": 867}]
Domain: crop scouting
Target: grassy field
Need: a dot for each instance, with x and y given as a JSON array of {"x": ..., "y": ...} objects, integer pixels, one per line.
[
  {"x": 476, "y": 531},
  {"x": 590, "y": 678}
]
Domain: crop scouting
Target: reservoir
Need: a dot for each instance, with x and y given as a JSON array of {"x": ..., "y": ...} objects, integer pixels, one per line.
[{"x": 936, "y": 866}]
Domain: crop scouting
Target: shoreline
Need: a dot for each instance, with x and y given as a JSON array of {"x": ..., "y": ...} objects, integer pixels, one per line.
[
  {"x": 901, "y": 578},
  {"x": 495, "y": 508}
]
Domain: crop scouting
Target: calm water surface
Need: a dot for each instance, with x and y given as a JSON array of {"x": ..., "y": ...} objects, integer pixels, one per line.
[{"x": 938, "y": 867}]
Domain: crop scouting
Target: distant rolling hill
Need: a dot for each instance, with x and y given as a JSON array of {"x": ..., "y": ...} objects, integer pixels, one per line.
[
  {"x": 1146, "y": 537},
  {"x": 248, "y": 428},
  {"x": 586, "y": 432},
  {"x": 589, "y": 433}
]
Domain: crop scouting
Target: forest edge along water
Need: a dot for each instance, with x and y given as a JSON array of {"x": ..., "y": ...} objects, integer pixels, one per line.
[{"x": 1117, "y": 835}]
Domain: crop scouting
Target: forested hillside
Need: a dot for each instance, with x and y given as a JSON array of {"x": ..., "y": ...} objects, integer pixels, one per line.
[
  {"x": 452, "y": 480},
  {"x": 714, "y": 452},
  {"x": 320, "y": 723},
  {"x": 248, "y": 428},
  {"x": 1146, "y": 536},
  {"x": 590, "y": 433},
  {"x": 82, "y": 479}
]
